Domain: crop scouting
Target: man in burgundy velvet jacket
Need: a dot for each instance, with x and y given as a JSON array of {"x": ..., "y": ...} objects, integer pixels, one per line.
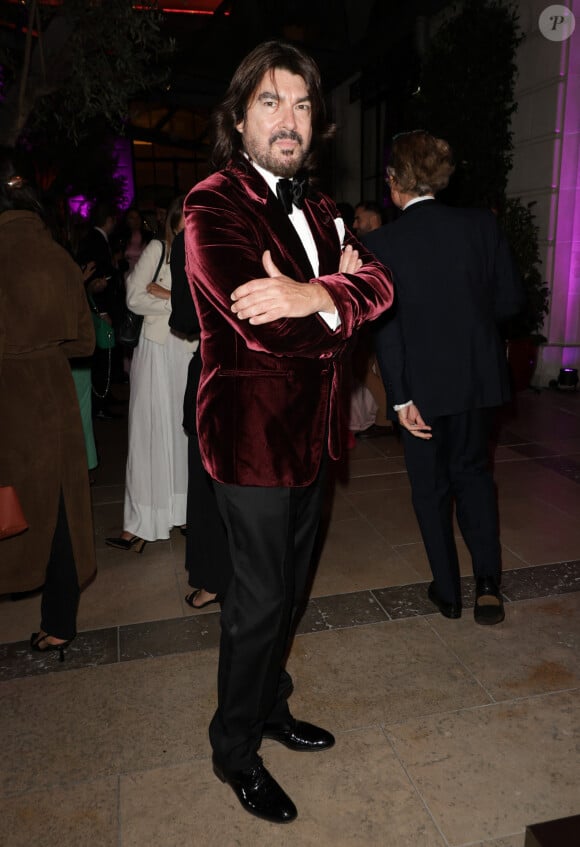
[{"x": 280, "y": 288}]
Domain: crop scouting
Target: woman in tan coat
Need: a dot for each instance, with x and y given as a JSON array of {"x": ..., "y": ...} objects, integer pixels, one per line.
[{"x": 44, "y": 321}]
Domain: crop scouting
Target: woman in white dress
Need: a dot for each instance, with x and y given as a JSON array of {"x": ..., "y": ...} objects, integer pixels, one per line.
[{"x": 156, "y": 476}]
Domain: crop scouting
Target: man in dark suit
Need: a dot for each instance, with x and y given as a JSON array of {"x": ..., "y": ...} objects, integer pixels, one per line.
[
  {"x": 443, "y": 363},
  {"x": 280, "y": 290},
  {"x": 102, "y": 291}
]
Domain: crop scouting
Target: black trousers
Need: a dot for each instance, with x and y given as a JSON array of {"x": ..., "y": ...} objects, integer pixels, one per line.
[
  {"x": 60, "y": 594},
  {"x": 271, "y": 533},
  {"x": 101, "y": 372},
  {"x": 454, "y": 466},
  {"x": 207, "y": 554}
]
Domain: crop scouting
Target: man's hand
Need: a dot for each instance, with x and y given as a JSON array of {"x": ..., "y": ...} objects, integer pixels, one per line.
[
  {"x": 276, "y": 296},
  {"x": 349, "y": 261},
  {"x": 410, "y": 418}
]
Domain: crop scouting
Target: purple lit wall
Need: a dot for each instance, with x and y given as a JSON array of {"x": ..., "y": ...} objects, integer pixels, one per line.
[
  {"x": 124, "y": 152},
  {"x": 79, "y": 205},
  {"x": 564, "y": 326}
]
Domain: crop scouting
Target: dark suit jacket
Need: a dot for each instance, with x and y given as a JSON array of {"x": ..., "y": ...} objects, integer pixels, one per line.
[
  {"x": 454, "y": 280},
  {"x": 95, "y": 248},
  {"x": 269, "y": 395}
]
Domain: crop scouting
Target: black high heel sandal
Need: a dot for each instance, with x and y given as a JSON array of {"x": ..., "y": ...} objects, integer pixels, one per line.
[
  {"x": 36, "y": 639},
  {"x": 189, "y": 598},
  {"x": 127, "y": 543}
]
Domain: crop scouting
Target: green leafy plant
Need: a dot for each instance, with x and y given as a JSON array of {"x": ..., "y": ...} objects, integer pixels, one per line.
[
  {"x": 466, "y": 95},
  {"x": 518, "y": 223},
  {"x": 87, "y": 61}
]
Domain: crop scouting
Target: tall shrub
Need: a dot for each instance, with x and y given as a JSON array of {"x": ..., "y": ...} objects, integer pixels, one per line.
[{"x": 467, "y": 96}]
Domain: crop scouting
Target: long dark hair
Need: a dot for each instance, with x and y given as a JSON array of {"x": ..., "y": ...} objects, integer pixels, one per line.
[
  {"x": 174, "y": 216},
  {"x": 17, "y": 192},
  {"x": 267, "y": 57}
]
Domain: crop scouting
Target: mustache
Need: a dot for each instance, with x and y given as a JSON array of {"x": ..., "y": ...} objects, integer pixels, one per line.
[{"x": 290, "y": 134}]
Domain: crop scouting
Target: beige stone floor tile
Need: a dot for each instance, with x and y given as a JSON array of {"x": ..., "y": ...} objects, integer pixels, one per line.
[
  {"x": 537, "y": 532},
  {"x": 538, "y": 416},
  {"x": 398, "y": 481},
  {"x": 350, "y": 678},
  {"x": 387, "y": 445},
  {"x": 102, "y": 721},
  {"x": 378, "y": 465},
  {"x": 107, "y": 521},
  {"x": 488, "y": 772},
  {"x": 562, "y": 494},
  {"x": 563, "y": 446},
  {"x": 138, "y": 588},
  {"x": 82, "y": 815},
  {"x": 505, "y": 453},
  {"x": 111, "y": 494},
  {"x": 356, "y": 557},
  {"x": 519, "y": 476},
  {"x": 540, "y": 484},
  {"x": 535, "y": 651},
  {"x": 19, "y": 619},
  {"x": 337, "y": 507},
  {"x": 416, "y": 557},
  {"x": 510, "y": 841},
  {"x": 391, "y": 513},
  {"x": 355, "y": 795}
]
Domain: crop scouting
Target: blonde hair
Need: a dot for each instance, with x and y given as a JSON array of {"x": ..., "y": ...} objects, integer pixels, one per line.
[{"x": 420, "y": 163}]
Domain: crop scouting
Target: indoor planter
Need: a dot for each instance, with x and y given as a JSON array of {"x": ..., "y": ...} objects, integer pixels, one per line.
[{"x": 523, "y": 331}]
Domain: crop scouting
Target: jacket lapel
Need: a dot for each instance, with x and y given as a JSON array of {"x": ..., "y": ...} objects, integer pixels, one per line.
[{"x": 324, "y": 233}]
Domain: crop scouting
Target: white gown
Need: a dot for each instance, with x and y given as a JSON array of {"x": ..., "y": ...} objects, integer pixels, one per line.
[{"x": 156, "y": 476}]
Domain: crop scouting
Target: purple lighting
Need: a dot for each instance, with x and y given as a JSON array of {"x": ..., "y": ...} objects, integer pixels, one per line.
[
  {"x": 564, "y": 326},
  {"x": 124, "y": 153},
  {"x": 79, "y": 206}
]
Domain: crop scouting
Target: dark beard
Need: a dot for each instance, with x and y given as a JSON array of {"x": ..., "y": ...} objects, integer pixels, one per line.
[{"x": 276, "y": 167}]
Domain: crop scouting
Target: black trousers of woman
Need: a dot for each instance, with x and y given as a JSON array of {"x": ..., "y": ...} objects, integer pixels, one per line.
[
  {"x": 60, "y": 595},
  {"x": 271, "y": 532},
  {"x": 207, "y": 554}
]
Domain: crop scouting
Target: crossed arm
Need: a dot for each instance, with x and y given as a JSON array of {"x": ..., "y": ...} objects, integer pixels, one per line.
[{"x": 277, "y": 296}]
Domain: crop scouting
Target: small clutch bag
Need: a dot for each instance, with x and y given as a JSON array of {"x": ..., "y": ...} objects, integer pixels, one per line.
[{"x": 12, "y": 520}]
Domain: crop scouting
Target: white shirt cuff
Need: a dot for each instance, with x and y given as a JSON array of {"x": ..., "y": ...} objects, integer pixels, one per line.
[
  {"x": 331, "y": 318},
  {"x": 402, "y": 405}
]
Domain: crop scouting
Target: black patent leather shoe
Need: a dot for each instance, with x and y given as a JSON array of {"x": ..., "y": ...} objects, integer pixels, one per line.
[
  {"x": 488, "y": 609},
  {"x": 299, "y": 735},
  {"x": 448, "y": 610},
  {"x": 259, "y": 793}
]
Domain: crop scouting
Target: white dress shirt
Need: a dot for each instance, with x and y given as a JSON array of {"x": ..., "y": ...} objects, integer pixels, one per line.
[{"x": 300, "y": 224}]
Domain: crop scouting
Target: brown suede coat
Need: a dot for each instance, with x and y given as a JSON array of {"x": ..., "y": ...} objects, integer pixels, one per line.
[{"x": 44, "y": 320}]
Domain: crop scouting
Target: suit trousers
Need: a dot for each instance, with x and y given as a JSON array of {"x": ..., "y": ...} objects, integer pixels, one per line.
[
  {"x": 271, "y": 534},
  {"x": 454, "y": 466}
]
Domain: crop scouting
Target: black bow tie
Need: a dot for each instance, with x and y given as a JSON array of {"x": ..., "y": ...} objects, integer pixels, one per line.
[{"x": 292, "y": 191}]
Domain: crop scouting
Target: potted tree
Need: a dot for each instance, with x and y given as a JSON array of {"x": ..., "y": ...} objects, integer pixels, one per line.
[{"x": 523, "y": 332}]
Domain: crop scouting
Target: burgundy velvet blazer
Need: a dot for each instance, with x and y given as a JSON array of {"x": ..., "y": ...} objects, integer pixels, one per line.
[{"x": 269, "y": 395}]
